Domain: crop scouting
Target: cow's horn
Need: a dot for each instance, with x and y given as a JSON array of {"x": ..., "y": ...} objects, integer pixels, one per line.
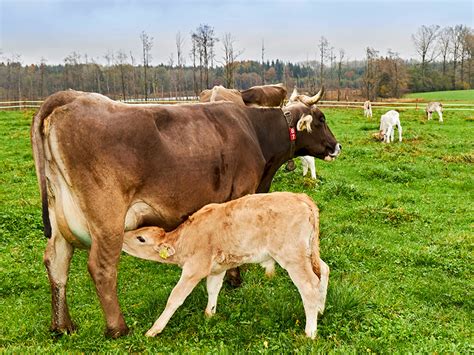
[
  {"x": 314, "y": 99},
  {"x": 294, "y": 95}
]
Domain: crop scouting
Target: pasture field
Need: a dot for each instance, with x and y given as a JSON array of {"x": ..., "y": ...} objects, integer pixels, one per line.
[
  {"x": 452, "y": 95},
  {"x": 396, "y": 230}
]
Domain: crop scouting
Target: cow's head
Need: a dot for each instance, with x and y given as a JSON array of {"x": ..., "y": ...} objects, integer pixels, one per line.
[
  {"x": 148, "y": 243},
  {"x": 313, "y": 134}
]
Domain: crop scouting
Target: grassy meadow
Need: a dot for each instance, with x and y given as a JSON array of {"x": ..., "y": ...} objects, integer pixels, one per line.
[
  {"x": 396, "y": 230},
  {"x": 452, "y": 95}
]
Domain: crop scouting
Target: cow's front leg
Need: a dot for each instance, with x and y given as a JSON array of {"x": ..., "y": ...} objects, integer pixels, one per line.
[
  {"x": 57, "y": 259},
  {"x": 103, "y": 262}
]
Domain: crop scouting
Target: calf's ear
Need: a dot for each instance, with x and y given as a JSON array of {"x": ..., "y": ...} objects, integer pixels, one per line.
[
  {"x": 164, "y": 250},
  {"x": 304, "y": 123}
]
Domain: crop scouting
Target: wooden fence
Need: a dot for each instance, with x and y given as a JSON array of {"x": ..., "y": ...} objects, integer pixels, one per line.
[{"x": 412, "y": 105}]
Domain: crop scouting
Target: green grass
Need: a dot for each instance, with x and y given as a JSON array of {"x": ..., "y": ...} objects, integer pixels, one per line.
[
  {"x": 396, "y": 230},
  {"x": 453, "y": 95}
]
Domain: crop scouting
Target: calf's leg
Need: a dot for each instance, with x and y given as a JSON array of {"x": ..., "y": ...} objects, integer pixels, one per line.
[
  {"x": 57, "y": 259},
  {"x": 323, "y": 285},
  {"x": 307, "y": 283},
  {"x": 189, "y": 279},
  {"x": 214, "y": 285}
]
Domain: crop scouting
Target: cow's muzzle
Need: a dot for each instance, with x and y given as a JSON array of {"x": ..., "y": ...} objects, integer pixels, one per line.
[{"x": 334, "y": 154}]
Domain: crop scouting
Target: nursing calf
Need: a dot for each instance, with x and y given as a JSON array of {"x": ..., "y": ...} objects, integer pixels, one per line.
[{"x": 262, "y": 229}]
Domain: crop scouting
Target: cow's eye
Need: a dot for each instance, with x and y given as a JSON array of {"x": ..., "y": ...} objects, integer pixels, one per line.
[
  {"x": 141, "y": 239},
  {"x": 322, "y": 119}
]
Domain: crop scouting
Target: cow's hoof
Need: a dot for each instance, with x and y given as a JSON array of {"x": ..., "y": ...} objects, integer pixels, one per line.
[
  {"x": 233, "y": 277},
  {"x": 59, "y": 330},
  {"x": 115, "y": 333},
  {"x": 290, "y": 165}
]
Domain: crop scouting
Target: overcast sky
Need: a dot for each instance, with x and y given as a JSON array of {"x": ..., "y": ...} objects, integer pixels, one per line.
[{"x": 52, "y": 29}]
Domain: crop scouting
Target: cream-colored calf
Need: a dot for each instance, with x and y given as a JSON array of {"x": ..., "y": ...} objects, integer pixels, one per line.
[{"x": 261, "y": 228}]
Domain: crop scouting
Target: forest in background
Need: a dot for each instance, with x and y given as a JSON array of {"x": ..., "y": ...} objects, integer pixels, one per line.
[{"x": 444, "y": 62}]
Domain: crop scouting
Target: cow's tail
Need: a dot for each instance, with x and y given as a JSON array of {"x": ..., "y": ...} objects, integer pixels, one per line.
[{"x": 37, "y": 142}]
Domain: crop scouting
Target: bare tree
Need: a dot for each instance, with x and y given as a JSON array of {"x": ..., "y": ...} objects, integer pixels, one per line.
[
  {"x": 323, "y": 54},
  {"x": 73, "y": 71},
  {"x": 444, "y": 41},
  {"x": 171, "y": 76},
  {"x": 42, "y": 67},
  {"x": 339, "y": 73},
  {"x": 424, "y": 40},
  {"x": 193, "y": 55},
  {"x": 370, "y": 75},
  {"x": 147, "y": 43},
  {"x": 121, "y": 63},
  {"x": 263, "y": 62},
  {"x": 464, "y": 48},
  {"x": 230, "y": 55},
  {"x": 180, "y": 62},
  {"x": 109, "y": 58},
  {"x": 205, "y": 42}
]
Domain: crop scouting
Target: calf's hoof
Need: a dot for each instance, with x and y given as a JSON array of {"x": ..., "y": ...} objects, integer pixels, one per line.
[
  {"x": 115, "y": 333},
  {"x": 153, "y": 332}
]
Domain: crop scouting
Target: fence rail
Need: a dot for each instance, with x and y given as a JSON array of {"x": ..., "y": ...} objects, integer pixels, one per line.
[{"x": 413, "y": 105}]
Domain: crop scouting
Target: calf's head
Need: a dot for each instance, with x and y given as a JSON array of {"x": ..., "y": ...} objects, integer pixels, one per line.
[
  {"x": 314, "y": 136},
  {"x": 148, "y": 243}
]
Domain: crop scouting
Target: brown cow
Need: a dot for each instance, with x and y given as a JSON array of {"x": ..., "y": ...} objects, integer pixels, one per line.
[
  {"x": 265, "y": 95},
  {"x": 220, "y": 93},
  {"x": 105, "y": 166},
  {"x": 257, "y": 229}
]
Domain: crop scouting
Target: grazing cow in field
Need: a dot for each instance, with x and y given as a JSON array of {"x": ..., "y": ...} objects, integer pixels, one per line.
[
  {"x": 434, "y": 107},
  {"x": 388, "y": 121},
  {"x": 257, "y": 229},
  {"x": 367, "y": 109},
  {"x": 104, "y": 167},
  {"x": 220, "y": 93},
  {"x": 265, "y": 95}
]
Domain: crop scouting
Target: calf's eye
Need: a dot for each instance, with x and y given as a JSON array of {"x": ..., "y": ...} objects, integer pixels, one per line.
[{"x": 141, "y": 239}]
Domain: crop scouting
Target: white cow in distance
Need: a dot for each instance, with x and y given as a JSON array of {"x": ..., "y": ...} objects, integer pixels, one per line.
[
  {"x": 388, "y": 121},
  {"x": 432, "y": 107},
  {"x": 367, "y": 109}
]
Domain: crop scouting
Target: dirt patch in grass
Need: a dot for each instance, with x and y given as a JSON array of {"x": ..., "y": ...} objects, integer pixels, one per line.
[{"x": 459, "y": 158}]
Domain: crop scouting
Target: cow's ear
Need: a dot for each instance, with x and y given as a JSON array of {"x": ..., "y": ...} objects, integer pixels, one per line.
[
  {"x": 164, "y": 250},
  {"x": 304, "y": 123}
]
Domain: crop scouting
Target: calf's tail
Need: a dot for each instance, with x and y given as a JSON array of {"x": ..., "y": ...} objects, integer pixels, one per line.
[{"x": 314, "y": 239}]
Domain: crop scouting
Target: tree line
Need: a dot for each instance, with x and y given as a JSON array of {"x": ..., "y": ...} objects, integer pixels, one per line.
[{"x": 445, "y": 61}]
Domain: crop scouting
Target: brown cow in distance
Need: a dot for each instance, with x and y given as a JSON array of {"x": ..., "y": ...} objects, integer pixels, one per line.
[
  {"x": 105, "y": 167},
  {"x": 265, "y": 95}
]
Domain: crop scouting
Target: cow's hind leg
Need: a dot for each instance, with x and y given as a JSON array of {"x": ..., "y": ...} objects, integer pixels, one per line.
[
  {"x": 57, "y": 259},
  {"x": 103, "y": 263}
]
